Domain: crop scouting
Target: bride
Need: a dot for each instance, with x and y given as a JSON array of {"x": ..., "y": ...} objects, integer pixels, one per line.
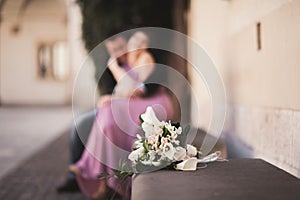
[{"x": 117, "y": 120}]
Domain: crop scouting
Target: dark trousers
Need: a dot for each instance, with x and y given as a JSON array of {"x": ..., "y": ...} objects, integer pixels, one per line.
[{"x": 79, "y": 135}]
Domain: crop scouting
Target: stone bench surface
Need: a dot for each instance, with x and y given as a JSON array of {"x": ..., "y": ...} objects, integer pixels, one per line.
[{"x": 237, "y": 179}]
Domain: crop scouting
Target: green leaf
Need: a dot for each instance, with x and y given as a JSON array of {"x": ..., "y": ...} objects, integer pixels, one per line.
[
  {"x": 145, "y": 144},
  {"x": 165, "y": 132}
]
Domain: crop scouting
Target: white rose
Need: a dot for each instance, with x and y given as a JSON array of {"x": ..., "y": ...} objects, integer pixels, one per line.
[
  {"x": 191, "y": 150},
  {"x": 180, "y": 153},
  {"x": 168, "y": 151},
  {"x": 188, "y": 164}
]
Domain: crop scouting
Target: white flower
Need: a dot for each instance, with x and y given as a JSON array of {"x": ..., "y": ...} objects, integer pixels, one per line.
[
  {"x": 168, "y": 151},
  {"x": 152, "y": 139},
  {"x": 149, "y": 117},
  {"x": 151, "y": 129},
  {"x": 188, "y": 164},
  {"x": 179, "y": 130},
  {"x": 136, "y": 154},
  {"x": 180, "y": 153},
  {"x": 148, "y": 129},
  {"x": 137, "y": 144},
  {"x": 191, "y": 150},
  {"x": 151, "y": 125},
  {"x": 177, "y": 142},
  {"x": 152, "y": 155},
  {"x": 138, "y": 136},
  {"x": 172, "y": 140},
  {"x": 164, "y": 141},
  {"x": 171, "y": 129}
]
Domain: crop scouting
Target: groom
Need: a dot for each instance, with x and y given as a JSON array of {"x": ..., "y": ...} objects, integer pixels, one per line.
[{"x": 116, "y": 47}]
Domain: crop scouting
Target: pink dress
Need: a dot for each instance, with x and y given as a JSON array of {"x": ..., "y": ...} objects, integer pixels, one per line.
[{"x": 112, "y": 137}]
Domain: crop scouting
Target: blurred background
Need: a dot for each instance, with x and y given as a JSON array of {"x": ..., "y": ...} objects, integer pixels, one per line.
[{"x": 254, "y": 43}]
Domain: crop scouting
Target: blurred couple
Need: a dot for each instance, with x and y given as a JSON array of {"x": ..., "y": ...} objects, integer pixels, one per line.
[{"x": 100, "y": 141}]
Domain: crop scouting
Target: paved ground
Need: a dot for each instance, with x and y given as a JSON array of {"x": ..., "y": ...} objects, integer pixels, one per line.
[
  {"x": 34, "y": 152},
  {"x": 25, "y": 130},
  {"x": 37, "y": 177}
]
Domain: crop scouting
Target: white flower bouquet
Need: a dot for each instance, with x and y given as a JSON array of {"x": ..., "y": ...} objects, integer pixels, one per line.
[{"x": 164, "y": 145}]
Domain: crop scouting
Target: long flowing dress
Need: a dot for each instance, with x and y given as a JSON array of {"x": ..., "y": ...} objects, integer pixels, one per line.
[{"x": 112, "y": 137}]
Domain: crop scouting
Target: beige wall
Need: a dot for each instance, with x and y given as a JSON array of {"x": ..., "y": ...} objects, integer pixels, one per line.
[
  {"x": 269, "y": 77},
  {"x": 20, "y": 83},
  {"x": 44, "y": 21},
  {"x": 263, "y": 87},
  {"x": 208, "y": 33},
  {"x": 86, "y": 85}
]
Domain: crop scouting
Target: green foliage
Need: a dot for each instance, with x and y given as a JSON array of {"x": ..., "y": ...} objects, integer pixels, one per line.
[
  {"x": 102, "y": 17},
  {"x": 145, "y": 145}
]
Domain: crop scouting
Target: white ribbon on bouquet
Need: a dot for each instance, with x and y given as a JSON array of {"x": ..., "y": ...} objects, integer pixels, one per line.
[{"x": 190, "y": 164}]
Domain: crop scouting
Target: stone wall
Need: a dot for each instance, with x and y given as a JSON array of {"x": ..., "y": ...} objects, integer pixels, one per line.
[{"x": 262, "y": 85}]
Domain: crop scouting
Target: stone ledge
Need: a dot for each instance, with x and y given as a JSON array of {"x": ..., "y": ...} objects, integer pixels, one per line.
[{"x": 245, "y": 179}]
